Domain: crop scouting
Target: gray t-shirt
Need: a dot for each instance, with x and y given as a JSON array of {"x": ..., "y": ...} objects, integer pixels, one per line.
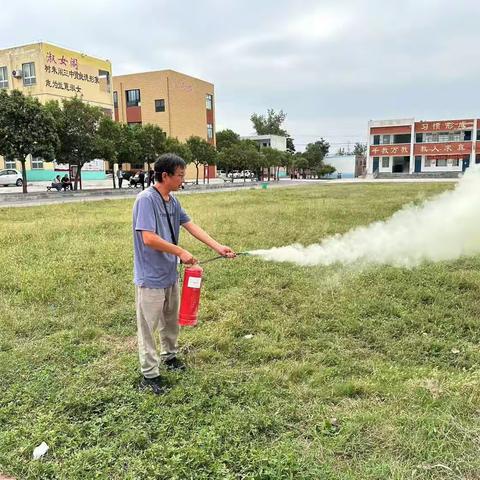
[{"x": 154, "y": 269}]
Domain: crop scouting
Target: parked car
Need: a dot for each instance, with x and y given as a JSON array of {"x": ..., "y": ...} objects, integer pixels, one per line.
[
  {"x": 11, "y": 177},
  {"x": 246, "y": 174}
]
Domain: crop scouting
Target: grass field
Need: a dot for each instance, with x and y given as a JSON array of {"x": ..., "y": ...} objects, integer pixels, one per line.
[{"x": 349, "y": 374}]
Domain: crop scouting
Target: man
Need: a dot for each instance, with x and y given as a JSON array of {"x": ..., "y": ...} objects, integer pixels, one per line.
[
  {"x": 141, "y": 179},
  {"x": 120, "y": 177},
  {"x": 157, "y": 217},
  {"x": 66, "y": 183}
]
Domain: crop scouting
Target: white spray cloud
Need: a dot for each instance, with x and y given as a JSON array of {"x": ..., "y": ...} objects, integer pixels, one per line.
[{"x": 443, "y": 228}]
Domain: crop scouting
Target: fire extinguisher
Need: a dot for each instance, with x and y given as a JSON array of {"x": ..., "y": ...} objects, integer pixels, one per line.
[{"x": 192, "y": 284}]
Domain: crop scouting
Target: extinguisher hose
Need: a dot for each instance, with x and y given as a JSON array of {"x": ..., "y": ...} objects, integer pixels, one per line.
[{"x": 203, "y": 262}]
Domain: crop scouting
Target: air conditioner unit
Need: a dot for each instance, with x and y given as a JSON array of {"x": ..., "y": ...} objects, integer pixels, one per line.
[{"x": 17, "y": 73}]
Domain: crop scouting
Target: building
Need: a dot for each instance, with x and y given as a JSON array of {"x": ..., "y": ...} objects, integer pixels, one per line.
[
  {"x": 180, "y": 105},
  {"x": 269, "y": 141},
  {"x": 278, "y": 142},
  {"x": 49, "y": 72},
  {"x": 443, "y": 148}
]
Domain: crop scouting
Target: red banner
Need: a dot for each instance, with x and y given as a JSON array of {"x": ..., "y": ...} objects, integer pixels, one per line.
[
  {"x": 454, "y": 148},
  {"x": 388, "y": 150},
  {"x": 445, "y": 126}
]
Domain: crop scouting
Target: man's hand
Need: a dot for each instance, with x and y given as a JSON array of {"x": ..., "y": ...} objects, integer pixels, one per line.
[
  {"x": 225, "y": 251},
  {"x": 187, "y": 258}
]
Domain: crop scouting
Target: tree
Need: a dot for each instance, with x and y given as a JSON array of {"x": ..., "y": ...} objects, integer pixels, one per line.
[
  {"x": 269, "y": 124},
  {"x": 173, "y": 145},
  {"x": 26, "y": 128},
  {"x": 203, "y": 153},
  {"x": 151, "y": 140},
  {"x": 290, "y": 145},
  {"x": 273, "y": 158},
  {"x": 300, "y": 163},
  {"x": 315, "y": 153},
  {"x": 241, "y": 156},
  {"x": 128, "y": 148},
  {"x": 108, "y": 142},
  {"x": 225, "y": 138},
  {"x": 360, "y": 149},
  {"x": 325, "y": 170},
  {"x": 77, "y": 127}
]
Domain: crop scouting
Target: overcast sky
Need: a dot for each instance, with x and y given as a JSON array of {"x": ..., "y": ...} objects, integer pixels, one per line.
[{"x": 330, "y": 65}]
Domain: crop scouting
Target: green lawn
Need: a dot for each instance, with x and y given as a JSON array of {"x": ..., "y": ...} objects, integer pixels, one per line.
[{"x": 350, "y": 374}]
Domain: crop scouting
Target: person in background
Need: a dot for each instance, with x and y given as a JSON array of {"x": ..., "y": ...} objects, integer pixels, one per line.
[
  {"x": 141, "y": 179},
  {"x": 57, "y": 183},
  {"x": 66, "y": 183},
  {"x": 120, "y": 177}
]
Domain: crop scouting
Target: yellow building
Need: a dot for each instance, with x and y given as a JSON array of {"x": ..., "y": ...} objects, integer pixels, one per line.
[
  {"x": 180, "y": 105},
  {"x": 49, "y": 72}
]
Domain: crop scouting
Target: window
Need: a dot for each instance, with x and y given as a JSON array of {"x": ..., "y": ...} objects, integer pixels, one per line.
[
  {"x": 3, "y": 77},
  {"x": 443, "y": 137},
  {"x": 455, "y": 162},
  {"x": 10, "y": 164},
  {"x": 478, "y": 135},
  {"x": 385, "y": 162},
  {"x": 133, "y": 98},
  {"x": 376, "y": 139},
  {"x": 209, "y": 101},
  {"x": 209, "y": 131},
  {"x": 402, "y": 138},
  {"x": 160, "y": 105},
  {"x": 477, "y": 158},
  {"x": 37, "y": 163},
  {"x": 28, "y": 72},
  {"x": 115, "y": 100},
  {"x": 419, "y": 137},
  {"x": 104, "y": 80},
  {"x": 385, "y": 139},
  {"x": 428, "y": 162},
  {"x": 441, "y": 162}
]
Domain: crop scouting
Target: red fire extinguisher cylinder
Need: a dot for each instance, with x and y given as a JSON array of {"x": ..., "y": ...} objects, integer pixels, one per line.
[{"x": 190, "y": 301}]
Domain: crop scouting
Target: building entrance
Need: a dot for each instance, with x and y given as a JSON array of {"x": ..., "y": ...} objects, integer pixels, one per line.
[{"x": 401, "y": 165}]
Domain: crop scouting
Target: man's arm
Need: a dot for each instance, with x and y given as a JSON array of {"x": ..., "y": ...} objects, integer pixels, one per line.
[
  {"x": 152, "y": 240},
  {"x": 200, "y": 234}
]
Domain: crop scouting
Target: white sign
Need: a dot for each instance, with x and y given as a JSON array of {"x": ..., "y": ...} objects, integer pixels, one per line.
[{"x": 194, "y": 282}]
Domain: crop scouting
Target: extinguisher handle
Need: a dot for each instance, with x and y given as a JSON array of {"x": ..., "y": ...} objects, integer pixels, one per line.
[{"x": 221, "y": 256}]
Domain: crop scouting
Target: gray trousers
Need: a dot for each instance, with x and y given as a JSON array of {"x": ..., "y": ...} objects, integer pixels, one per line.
[{"x": 157, "y": 309}]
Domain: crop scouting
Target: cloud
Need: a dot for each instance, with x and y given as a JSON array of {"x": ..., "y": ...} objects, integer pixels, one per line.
[{"x": 331, "y": 65}]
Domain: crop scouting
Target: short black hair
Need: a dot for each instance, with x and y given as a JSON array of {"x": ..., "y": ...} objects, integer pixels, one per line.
[{"x": 168, "y": 162}]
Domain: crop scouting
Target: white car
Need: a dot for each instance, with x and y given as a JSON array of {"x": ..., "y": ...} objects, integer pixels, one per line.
[
  {"x": 246, "y": 174},
  {"x": 10, "y": 177}
]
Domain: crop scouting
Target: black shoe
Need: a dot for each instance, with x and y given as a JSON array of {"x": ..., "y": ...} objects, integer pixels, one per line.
[
  {"x": 175, "y": 364},
  {"x": 157, "y": 385}
]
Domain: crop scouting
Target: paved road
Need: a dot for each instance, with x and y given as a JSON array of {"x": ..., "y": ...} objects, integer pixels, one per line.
[{"x": 96, "y": 190}]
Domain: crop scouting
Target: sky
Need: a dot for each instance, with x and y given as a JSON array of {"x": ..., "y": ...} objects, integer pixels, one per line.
[{"x": 331, "y": 66}]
